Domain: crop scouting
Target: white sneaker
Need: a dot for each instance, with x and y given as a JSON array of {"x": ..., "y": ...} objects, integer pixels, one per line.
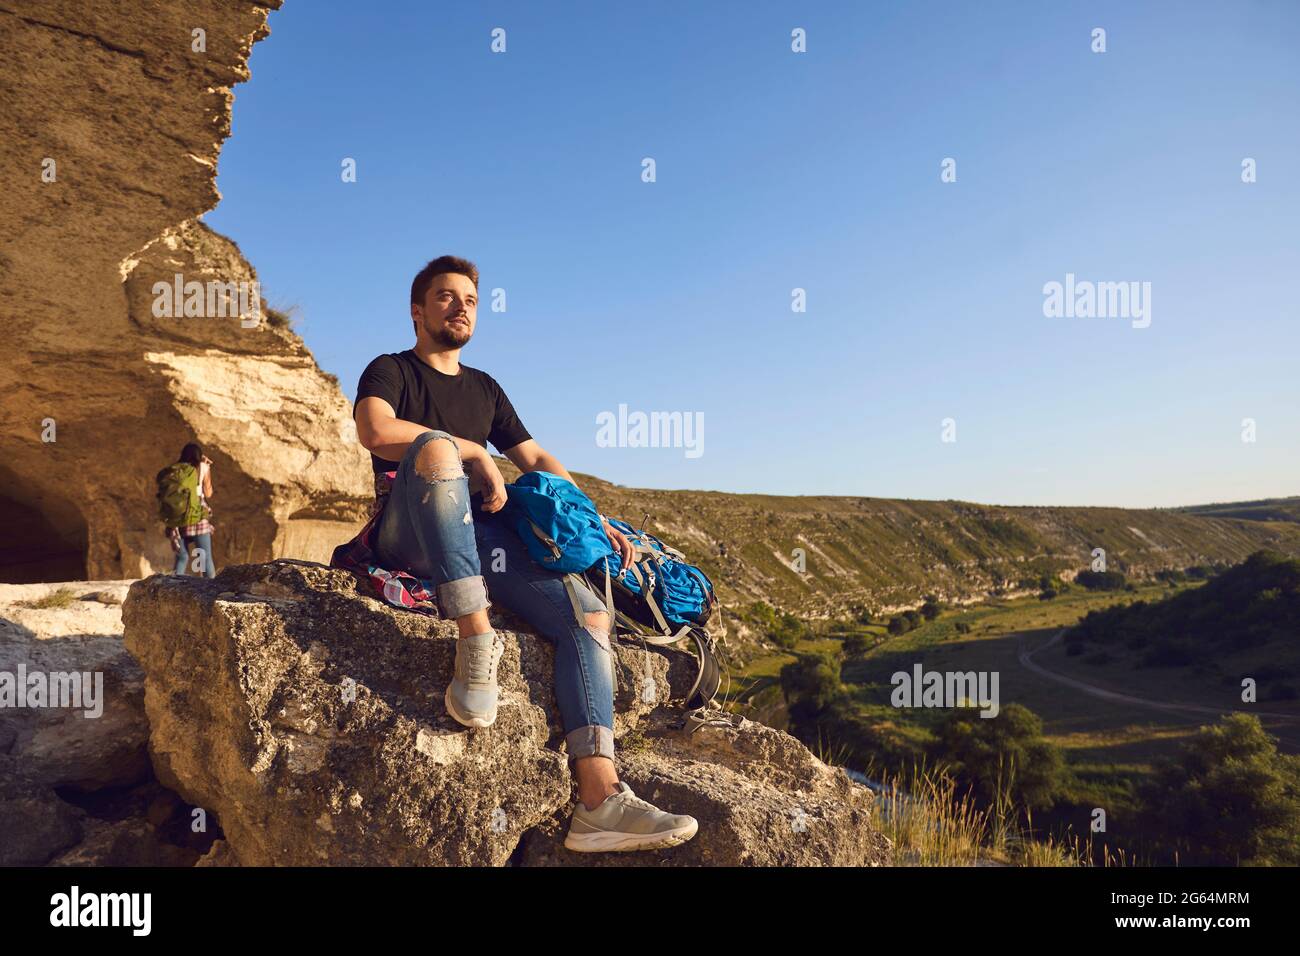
[
  {"x": 471, "y": 697},
  {"x": 624, "y": 821}
]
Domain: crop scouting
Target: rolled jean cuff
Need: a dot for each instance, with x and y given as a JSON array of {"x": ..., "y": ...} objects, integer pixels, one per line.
[
  {"x": 590, "y": 741},
  {"x": 462, "y": 596}
]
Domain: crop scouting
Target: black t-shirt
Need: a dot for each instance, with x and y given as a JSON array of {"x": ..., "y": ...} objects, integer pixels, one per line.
[{"x": 469, "y": 405}]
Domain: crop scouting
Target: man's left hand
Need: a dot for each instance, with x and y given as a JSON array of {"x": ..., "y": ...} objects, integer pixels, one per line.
[{"x": 620, "y": 542}]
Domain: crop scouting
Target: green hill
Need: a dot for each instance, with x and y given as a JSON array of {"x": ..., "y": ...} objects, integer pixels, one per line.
[
  {"x": 1266, "y": 509},
  {"x": 1245, "y": 621},
  {"x": 888, "y": 553}
]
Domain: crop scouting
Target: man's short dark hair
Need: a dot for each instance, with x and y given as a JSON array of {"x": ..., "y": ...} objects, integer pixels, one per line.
[{"x": 437, "y": 267}]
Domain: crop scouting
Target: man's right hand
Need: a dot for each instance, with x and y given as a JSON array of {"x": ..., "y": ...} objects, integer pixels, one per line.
[{"x": 494, "y": 485}]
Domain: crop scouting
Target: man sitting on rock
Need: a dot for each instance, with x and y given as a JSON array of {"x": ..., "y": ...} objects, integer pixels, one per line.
[{"x": 424, "y": 417}]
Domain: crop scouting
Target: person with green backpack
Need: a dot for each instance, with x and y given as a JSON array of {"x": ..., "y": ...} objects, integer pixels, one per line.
[{"x": 183, "y": 489}]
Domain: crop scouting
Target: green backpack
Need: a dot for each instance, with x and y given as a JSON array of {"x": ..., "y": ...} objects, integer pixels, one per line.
[{"x": 179, "y": 503}]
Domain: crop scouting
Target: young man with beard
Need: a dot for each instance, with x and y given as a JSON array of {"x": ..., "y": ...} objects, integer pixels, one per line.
[{"x": 426, "y": 418}]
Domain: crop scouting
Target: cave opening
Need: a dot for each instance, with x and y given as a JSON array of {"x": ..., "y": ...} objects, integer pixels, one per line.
[{"x": 43, "y": 536}]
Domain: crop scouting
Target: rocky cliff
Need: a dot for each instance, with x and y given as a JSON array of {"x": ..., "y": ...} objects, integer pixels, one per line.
[{"x": 113, "y": 119}]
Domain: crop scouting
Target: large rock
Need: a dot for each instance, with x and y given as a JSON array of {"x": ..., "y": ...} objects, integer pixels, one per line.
[
  {"x": 308, "y": 719},
  {"x": 761, "y": 797},
  {"x": 77, "y": 788},
  {"x": 67, "y": 746},
  {"x": 110, "y": 133},
  {"x": 35, "y": 825}
]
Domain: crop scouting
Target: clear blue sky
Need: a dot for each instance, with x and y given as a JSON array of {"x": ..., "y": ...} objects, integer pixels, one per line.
[{"x": 820, "y": 171}]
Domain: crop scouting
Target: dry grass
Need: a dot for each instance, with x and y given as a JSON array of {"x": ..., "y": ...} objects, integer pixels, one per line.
[
  {"x": 931, "y": 821},
  {"x": 63, "y": 597}
]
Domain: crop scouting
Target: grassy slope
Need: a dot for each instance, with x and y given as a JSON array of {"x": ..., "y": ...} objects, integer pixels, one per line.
[
  {"x": 888, "y": 553},
  {"x": 1267, "y": 509}
]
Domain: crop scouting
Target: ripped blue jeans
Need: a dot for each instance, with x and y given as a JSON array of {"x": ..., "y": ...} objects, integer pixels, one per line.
[{"x": 433, "y": 528}]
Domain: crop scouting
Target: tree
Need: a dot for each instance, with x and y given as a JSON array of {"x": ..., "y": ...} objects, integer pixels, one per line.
[
  {"x": 1002, "y": 755},
  {"x": 863, "y": 614},
  {"x": 1101, "y": 580},
  {"x": 856, "y": 644},
  {"x": 899, "y": 625},
  {"x": 788, "y": 631},
  {"x": 810, "y": 684},
  {"x": 1229, "y": 799},
  {"x": 1049, "y": 586}
]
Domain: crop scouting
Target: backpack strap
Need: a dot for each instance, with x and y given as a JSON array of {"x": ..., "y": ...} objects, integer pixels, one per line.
[
  {"x": 609, "y": 600},
  {"x": 659, "y": 615},
  {"x": 571, "y": 590},
  {"x": 668, "y": 638}
]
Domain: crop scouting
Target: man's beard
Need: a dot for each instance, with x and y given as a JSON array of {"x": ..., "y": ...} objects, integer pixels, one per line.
[{"x": 451, "y": 337}]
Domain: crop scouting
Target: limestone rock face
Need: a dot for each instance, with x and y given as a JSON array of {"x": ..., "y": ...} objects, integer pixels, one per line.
[
  {"x": 76, "y": 784},
  {"x": 87, "y": 749},
  {"x": 308, "y": 719},
  {"x": 109, "y": 137},
  {"x": 95, "y": 741}
]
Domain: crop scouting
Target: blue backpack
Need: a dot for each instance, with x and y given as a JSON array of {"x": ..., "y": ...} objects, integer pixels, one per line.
[
  {"x": 675, "y": 593},
  {"x": 558, "y": 523},
  {"x": 659, "y": 598}
]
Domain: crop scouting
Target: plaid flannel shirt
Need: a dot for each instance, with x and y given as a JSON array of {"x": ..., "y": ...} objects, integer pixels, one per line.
[{"x": 397, "y": 588}]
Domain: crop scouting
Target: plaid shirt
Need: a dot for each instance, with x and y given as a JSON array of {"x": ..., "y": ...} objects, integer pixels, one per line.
[{"x": 397, "y": 588}]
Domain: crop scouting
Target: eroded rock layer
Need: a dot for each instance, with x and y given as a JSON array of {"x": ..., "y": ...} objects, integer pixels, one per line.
[{"x": 111, "y": 128}]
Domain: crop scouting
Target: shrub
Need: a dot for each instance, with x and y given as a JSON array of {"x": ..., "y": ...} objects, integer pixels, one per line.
[
  {"x": 1101, "y": 580},
  {"x": 810, "y": 684},
  {"x": 278, "y": 318},
  {"x": 788, "y": 631},
  {"x": 856, "y": 644},
  {"x": 1049, "y": 586},
  {"x": 63, "y": 597},
  {"x": 1229, "y": 799},
  {"x": 1002, "y": 755}
]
